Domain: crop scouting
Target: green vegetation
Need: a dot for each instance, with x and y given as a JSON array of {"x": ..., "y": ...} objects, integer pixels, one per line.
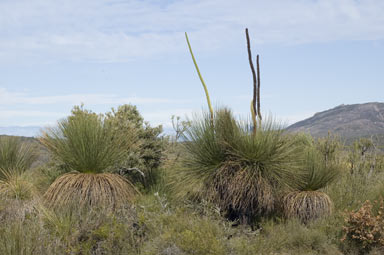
[
  {"x": 165, "y": 221},
  {"x": 240, "y": 170},
  {"x": 15, "y": 160},
  {"x": 143, "y": 146},
  {"x": 87, "y": 147},
  {"x": 306, "y": 202}
]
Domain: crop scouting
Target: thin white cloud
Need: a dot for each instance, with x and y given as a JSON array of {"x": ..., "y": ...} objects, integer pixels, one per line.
[
  {"x": 27, "y": 113},
  {"x": 16, "y": 98},
  {"x": 112, "y": 31}
]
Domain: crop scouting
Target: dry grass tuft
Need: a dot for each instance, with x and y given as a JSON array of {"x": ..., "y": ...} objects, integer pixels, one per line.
[
  {"x": 243, "y": 192},
  {"x": 306, "y": 205},
  {"x": 16, "y": 186},
  {"x": 87, "y": 189}
]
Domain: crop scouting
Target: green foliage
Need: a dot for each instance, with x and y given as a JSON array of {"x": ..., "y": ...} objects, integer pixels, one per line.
[
  {"x": 328, "y": 147},
  {"x": 15, "y": 157},
  {"x": 234, "y": 167},
  {"x": 317, "y": 171},
  {"x": 84, "y": 142},
  {"x": 289, "y": 237},
  {"x": 177, "y": 229},
  {"x": 143, "y": 148},
  {"x": 229, "y": 171},
  {"x": 34, "y": 229},
  {"x": 120, "y": 139}
]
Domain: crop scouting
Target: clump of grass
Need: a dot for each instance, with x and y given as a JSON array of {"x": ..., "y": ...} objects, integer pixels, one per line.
[
  {"x": 307, "y": 203},
  {"x": 235, "y": 168},
  {"x": 87, "y": 147},
  {"x": 15, "y": 185},
  {"x": 16, "y": 158}
]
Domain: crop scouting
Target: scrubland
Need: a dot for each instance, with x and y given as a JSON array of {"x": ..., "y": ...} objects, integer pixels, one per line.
[{"x": 112, "y": 184}]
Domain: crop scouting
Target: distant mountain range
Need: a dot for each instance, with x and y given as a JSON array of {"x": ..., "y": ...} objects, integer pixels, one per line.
[
  {"x": 28, "y": 131},
  {"x": 347, "y": 121}
]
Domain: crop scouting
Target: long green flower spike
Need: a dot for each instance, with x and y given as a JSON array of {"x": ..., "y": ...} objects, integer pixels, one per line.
[
  {"x": 253, "y": 114},
  {"x": 201, "y": 78}
]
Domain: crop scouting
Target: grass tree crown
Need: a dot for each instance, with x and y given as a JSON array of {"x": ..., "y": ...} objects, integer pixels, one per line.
[{"x": 84, "y": 142}]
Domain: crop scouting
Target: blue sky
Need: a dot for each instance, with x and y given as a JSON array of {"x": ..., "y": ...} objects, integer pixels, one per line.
[{"x": 315, "y": 55}]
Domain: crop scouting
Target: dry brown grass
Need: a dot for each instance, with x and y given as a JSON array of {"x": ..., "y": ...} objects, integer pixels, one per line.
[
  {"x": 243, "y": 191},
  {"x": 16, "y": 185},
  {"x": 90, "y": 189},
  {"x": 306, "y": 205}
]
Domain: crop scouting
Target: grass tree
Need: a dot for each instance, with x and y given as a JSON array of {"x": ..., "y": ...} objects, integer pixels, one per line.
[
  {"x": 16, "y": 157},
  {"x": 238, "y": 165},
  {"x": 236, "y": 168},
  {"x": 307, "y": 202},
  {"x": 88, "y": 149}
]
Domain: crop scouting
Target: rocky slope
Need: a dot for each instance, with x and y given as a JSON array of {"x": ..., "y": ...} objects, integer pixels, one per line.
[{"x": 348, "y": 121}]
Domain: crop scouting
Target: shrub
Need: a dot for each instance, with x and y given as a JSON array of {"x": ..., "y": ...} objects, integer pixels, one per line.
[
  {"x": 365, "y": 228},
  {"x": 144, "y": 146}
]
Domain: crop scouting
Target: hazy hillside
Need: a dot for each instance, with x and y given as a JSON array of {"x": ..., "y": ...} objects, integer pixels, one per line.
[{"x": 348, "y": 121}]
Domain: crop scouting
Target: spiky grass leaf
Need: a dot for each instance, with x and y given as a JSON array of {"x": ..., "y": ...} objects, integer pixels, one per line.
[
  {"x": 315, "y": 172},
  {"x": 15, "y": 156},
  {"x": 87, "y": 189},
  {"x": 205, "y": 151},
  {"x": 84, "y": 142},
  {"x": 269, "y": 152}
]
